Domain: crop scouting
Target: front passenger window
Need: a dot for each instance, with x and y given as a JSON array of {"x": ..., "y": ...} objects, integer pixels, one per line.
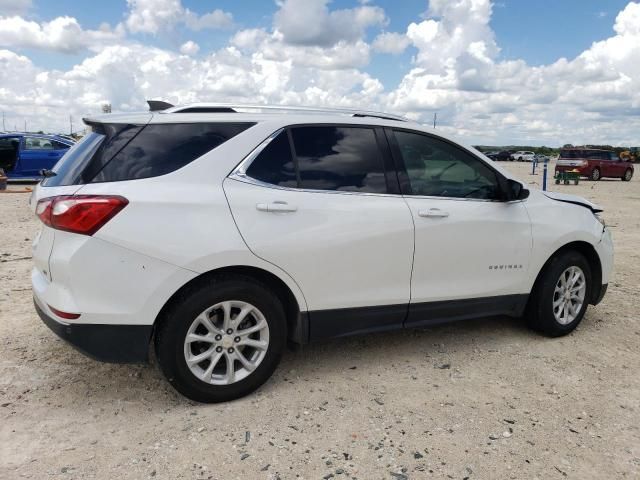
[{"x": 439, "y": 169}]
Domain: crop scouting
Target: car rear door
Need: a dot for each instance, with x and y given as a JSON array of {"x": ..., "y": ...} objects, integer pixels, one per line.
[
  {"x": 596, "y": 160},
  {"x": 472, "y": 250},
  {"x": 37, "y": 153},
  {"x": 322, "y": 203}
]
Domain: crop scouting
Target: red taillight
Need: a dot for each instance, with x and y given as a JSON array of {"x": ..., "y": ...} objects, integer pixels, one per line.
[
  {"x": 43, "y": 210},
  {"x": 66, "y": 315},
  {"x": 83, "y": 214}
]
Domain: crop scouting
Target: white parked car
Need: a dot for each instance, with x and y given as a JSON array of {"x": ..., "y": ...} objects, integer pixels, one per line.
[
  {"x": 221, "y": 233},
  {"x": 523, "y": 156}
]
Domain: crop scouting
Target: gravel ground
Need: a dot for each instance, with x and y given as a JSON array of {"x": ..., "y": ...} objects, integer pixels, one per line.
[{"x": 482, "y": 399}]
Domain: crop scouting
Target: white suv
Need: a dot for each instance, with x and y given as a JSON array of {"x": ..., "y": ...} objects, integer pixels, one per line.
[
  {"x": 221, "y": 233},
  {"x": 523, "y": 156}
]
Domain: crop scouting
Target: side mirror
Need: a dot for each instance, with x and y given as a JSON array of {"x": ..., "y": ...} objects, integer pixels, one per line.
[{"x": 515, "y": 191}]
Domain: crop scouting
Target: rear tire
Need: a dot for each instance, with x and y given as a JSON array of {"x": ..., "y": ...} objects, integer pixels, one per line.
[
  {"x": 557, "y": 306},
  {"x": 595, "y": 174},
  {"x": 201, "y": 312},
  {"x": 628, "y": 174}
]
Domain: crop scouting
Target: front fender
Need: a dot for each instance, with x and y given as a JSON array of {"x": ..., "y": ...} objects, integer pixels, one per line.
[{"x": 555, "y": 224}]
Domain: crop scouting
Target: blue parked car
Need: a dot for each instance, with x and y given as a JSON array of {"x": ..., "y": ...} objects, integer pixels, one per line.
[{"x": 24, "y": 155}]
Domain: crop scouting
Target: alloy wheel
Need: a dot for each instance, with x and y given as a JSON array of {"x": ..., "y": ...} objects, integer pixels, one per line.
[
  {"x": 569, "y": 295},
  {"x": 226, "y": 342}
]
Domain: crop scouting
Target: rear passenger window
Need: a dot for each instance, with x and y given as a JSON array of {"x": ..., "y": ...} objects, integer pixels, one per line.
[
  {"x": 35, "y": 143},
  {"x": 326, "y": 158},
  {"x": 339, "y": 158},
  {"x": 163, "y": 148},
  {"x": 274, "y": 164}
]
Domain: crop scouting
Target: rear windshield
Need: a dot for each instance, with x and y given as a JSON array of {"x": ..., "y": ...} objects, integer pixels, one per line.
[
  {"x": 72, "y": 164},
  {"x": 596, "y": 154},
  {"x": 116, "y": 152}
]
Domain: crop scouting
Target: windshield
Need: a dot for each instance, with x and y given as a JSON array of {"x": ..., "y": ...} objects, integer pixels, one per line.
[{"x": 73, "y": 162}]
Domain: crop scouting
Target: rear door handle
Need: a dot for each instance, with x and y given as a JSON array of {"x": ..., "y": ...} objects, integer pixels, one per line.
[
  {"x": 433, "y": 213},
  {"x": 276, "y": 207}
]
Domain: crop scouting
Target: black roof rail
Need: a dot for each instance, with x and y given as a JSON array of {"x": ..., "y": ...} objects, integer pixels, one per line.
[
  {"x": 207, "y": 110},
  {"x": 373, "y": 115},
  {"x": 158, "y": 105}
]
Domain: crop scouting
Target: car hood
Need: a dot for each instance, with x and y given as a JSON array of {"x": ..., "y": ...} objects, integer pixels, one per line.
[{"x": 583, "y": 202}]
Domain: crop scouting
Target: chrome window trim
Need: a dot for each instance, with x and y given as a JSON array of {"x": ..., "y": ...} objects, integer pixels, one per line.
[
  {"x": 244, "y": 178},
  {"x": 246, "y": 162},
  {"x": 240, "y": 174}
]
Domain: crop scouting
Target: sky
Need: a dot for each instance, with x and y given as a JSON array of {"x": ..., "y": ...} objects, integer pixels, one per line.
[{"x": 548, "y": 72}]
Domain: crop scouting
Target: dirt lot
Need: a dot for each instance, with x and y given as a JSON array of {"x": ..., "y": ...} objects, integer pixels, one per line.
[{"x": 484, "y": 399}]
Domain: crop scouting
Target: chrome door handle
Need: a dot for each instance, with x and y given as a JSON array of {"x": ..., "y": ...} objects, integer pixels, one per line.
[
  {"x": 433, "y": 213},
  {"x": 283, "y": 207}
]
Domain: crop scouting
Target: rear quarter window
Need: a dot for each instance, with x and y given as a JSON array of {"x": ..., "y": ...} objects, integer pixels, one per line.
[{"x": 275, "y": 164}]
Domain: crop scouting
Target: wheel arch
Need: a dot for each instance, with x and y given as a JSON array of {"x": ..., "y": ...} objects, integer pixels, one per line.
[
  {"x": 590, "y": 253},
  {"x": 297, "y": 322}
]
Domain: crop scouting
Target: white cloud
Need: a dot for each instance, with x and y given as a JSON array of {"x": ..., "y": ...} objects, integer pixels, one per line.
[
  {"x": 152, "y": 16},
  {"x": 310, "y": 22},
  {"x": 391, "y": 42},
  {"x": 594, "y": 98},
  {"x": 149, "y": 16},
  {"x": 456, "y": 71},
  {"x": 62, "y": 34},
  {"x": 126, "y": 75},
  {"x": 15, "y": 7},
  {"x": 215, "y": 19},
  {"x": 628, "y": 20},
  {"x": 189, "y": 48}
]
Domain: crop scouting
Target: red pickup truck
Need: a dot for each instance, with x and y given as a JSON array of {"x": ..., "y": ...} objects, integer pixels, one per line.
[{"x": 594, "y": 163}]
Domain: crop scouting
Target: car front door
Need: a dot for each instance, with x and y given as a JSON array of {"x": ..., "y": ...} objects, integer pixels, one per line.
[
  {"x": 618, "y": 166},
  {"x": 38, "y": 153},
  {"x": 316, "y": 203},
  {"x": 472, "y": 249}
]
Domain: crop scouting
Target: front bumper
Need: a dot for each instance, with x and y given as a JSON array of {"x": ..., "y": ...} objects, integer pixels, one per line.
[{"x": 106, "y": 343}]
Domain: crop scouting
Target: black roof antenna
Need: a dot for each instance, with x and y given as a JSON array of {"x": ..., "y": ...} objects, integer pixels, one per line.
[{"x": 158, "y": 105}]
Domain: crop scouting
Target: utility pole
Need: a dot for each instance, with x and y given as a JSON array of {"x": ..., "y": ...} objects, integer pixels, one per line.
[
  {"x": 435, "y": 118},
  {"x": 25, "y": 126},
  {"x": 4, "y": 129},
  {"x": 70, "y": 125}
]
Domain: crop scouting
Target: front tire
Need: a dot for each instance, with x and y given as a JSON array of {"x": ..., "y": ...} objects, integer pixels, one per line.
[
  {"x": 221, "y": 339},
  {"x": 561, "y": 295},
  {"x": 595, "y": 174},
  {"x": 628, "y": 174}
]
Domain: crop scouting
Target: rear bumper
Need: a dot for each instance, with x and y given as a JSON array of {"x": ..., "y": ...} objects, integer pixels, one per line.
[
  {"x": 106, "y": 343},
  {"x": 583, "y": 171}
]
